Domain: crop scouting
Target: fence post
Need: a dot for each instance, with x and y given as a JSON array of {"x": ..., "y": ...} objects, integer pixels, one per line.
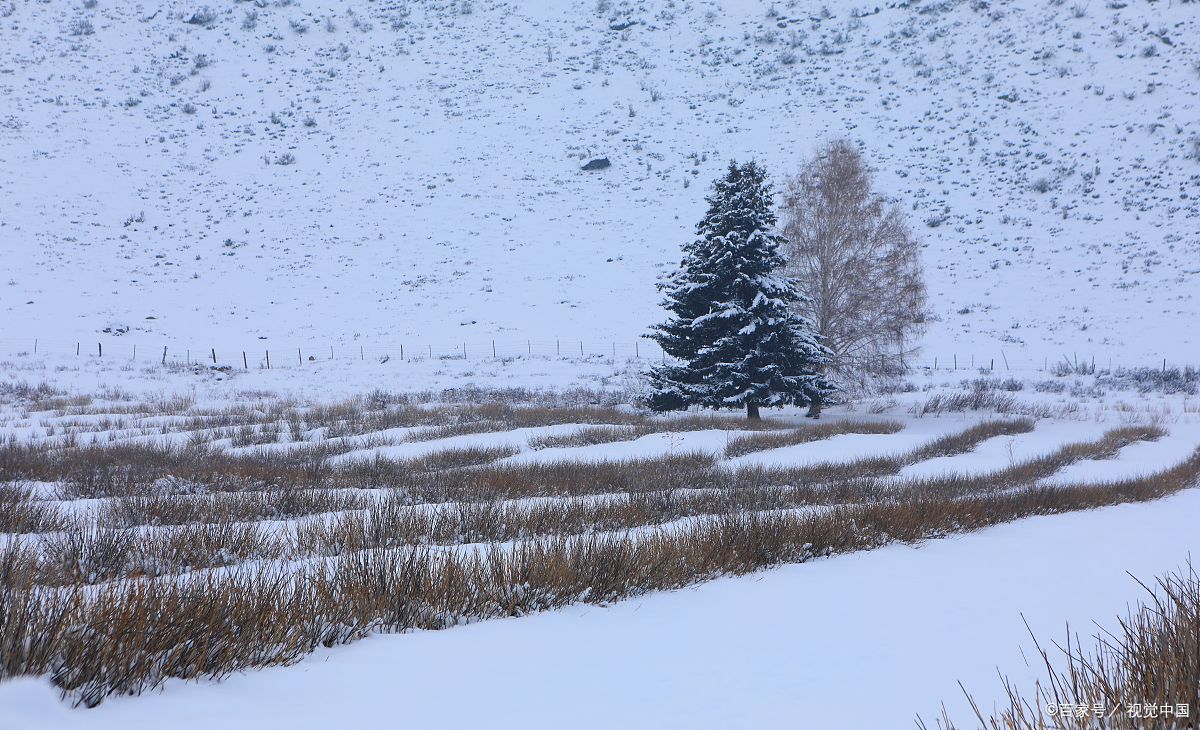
[
  {"x": 558, "y": 347},
  {"x": 361, "y": 356},
  {"x": 299, "y": 356},
  {"x": 935, "y": 362},
  {"x": 956, "y": 361},
  {"x": 164, "y": 360},
  {"x": 464, "y": 351},
  {"x": 636, "y": 352},
  {"x": 493, "y": 348},
  {"x": 1006, "y": 367},
  {"x": 268, "y": 359},
  {"x": 135, "y": 352},
  {"x": 331, "y": 352},
  {"x": 245, "y": 364},
  {"x": 76, "y": 349},
  {"x": 528, "y": 348},
  {"x": 581, "y": 348},
  {"x": 214, "y": 355},
  {"x": 35, "y": 345}
]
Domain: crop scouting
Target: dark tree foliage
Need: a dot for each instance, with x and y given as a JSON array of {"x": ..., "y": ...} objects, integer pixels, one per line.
[{"x": 733, "y": 321}]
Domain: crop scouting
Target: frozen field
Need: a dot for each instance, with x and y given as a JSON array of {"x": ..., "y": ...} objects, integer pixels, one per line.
[{"x": 557, "y": 509}]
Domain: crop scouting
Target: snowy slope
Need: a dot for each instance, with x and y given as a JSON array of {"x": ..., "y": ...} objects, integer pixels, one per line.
[{"x": 436, "y": 193}]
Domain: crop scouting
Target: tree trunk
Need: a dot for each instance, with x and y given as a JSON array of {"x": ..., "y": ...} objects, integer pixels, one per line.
[
  {"x": 814, "y": 408},
  {"x": 752, "y": 411}
]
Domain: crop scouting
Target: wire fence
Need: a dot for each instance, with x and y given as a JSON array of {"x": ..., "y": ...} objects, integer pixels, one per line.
[
  {"x": 265, "y": 354},
  {"x": 270, "y": 355}
]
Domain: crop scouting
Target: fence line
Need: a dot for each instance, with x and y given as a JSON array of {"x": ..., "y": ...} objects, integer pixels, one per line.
[{"x": 266, "y": 355}]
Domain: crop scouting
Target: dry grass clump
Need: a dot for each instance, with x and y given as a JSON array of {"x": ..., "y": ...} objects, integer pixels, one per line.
[
  {"x": 21, "y": 513},
  {"x": 90, "y": 554},
  {"x": 1152, "y": 660},
  {"x": 873, "y": 467},
  {"x": 741, "y": 445},
  {"x": 964, "y": 441},
  {"x": 976, "y": 399},
  {"x": 356, "y": 417},
  {"x": 275, "y": 504},
  {"x": 460, "y": 458},
  {"x": 1105, "y": 448},
  {"x": 678, "y": 424},
  {"x": 590, "y": 436}
]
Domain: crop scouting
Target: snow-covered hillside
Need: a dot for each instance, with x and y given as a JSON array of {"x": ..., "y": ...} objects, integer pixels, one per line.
[{"x": 371, "y": 172}]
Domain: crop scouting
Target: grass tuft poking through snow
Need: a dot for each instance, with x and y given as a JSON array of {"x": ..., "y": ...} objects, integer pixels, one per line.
[{"x": 1152, "y": 660}]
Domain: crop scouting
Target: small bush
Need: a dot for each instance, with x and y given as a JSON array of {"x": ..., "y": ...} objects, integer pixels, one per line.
[{"x": 80, "y": 27}]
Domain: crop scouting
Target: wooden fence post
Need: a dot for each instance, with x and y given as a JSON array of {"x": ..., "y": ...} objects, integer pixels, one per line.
[
  {"x": 245, "y": 364},
  {"x": 268, "y": 359},
  {"x": 164, "y": 360},
  {"x": 214, "y": 355}
]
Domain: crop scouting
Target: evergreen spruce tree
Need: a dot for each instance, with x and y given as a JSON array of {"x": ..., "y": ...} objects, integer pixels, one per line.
[{"x": 732, "y": 318}]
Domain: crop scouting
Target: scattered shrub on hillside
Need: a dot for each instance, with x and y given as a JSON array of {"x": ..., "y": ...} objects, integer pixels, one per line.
[
  {"x": 1153, "y": 380},
  {"x": 205, "y": 17},
  {"x": 80, "y": 27}
]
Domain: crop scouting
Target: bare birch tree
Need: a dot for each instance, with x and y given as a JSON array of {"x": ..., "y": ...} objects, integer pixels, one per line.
[{"x": 857, "y": 262}]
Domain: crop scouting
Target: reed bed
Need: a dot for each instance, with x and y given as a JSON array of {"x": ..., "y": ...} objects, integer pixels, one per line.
[
  {"x": 87, "y": 553},
  {"x": 179, "y": 571},
  {"x": 131, "y": 636}
]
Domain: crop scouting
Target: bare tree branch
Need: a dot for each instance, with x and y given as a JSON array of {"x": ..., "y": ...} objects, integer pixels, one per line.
[{"x": 857, "y": 262}]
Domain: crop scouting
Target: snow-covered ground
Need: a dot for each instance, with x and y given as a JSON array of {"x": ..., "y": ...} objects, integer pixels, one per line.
[
  {"x": 230, "y": 203},
  {"x": 859, "y": 641},
  {"x": 1048, "y": 154}
]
